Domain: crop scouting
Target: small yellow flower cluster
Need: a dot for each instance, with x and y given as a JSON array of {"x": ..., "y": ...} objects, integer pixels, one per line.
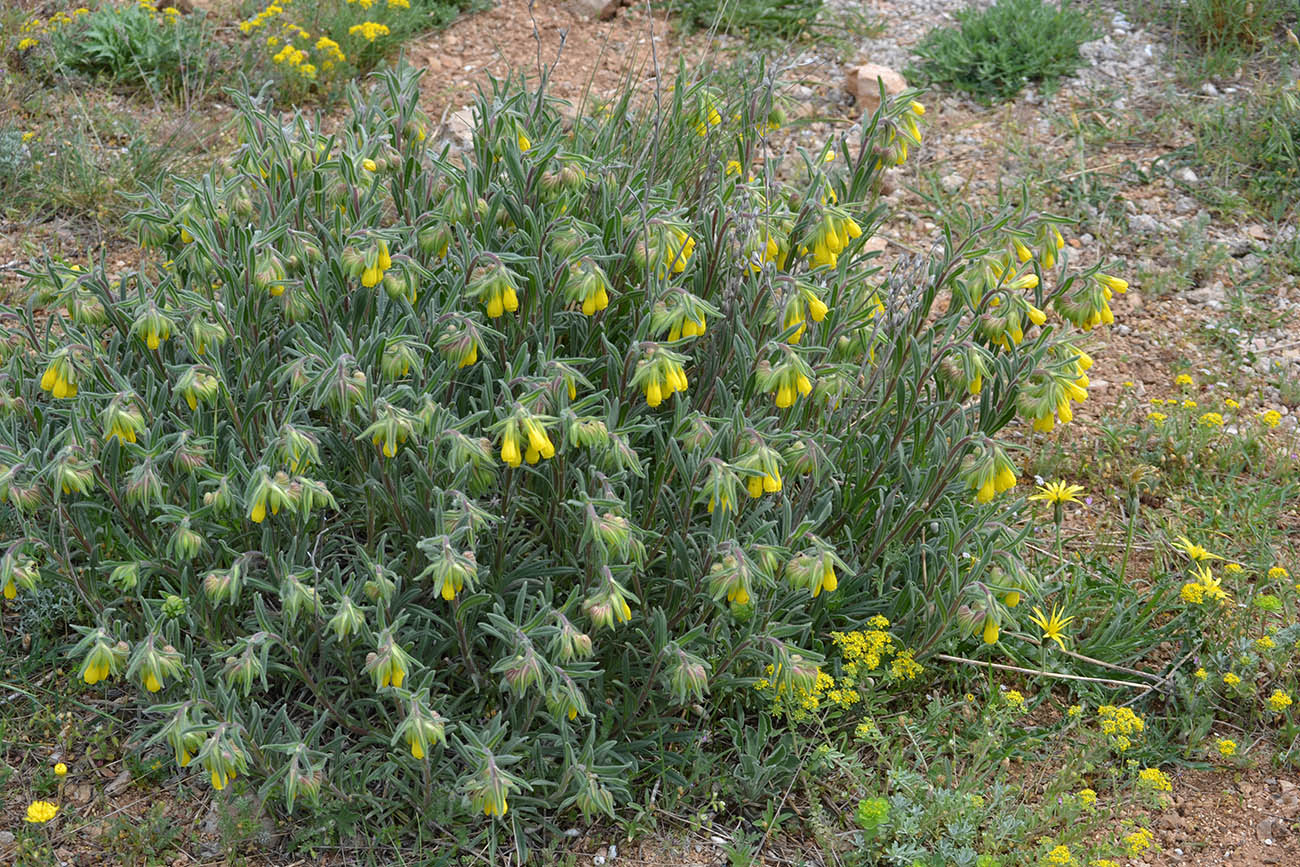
[
  {"x": 865, "y": 650},
  {"x": 1279, "y": 701},
  {"x": 805, "y": 700},
  {"x": 369, "y": 30},
  {"x": 1155, "y": 780},
  {"x": 1118, "y": 723},
  {"x": 1277, "y": 573},
  {"x": 1138, "y": 842},
  {"x": 1014, "y": 699},
  {"x": 1059, "y": 857},
  {"x": 33, "y": 28},
  {"x": 271, "y": 12},
  {"x": 1211, "y": 419},
  {"x": 1231, "y": 679},
  {"x": 296, "y": 58},
  {"x": 1226, "y": 747},
  {"x": 1087, "y": 798},
  {"x": 905, "y": 666},
  {"x": 1271, "y": 417}
]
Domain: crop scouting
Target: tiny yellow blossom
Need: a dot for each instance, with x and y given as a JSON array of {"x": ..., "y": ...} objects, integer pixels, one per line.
[
  {"x": 1231, "y": 679},
  {"x": 1226, "y": 746},
  {"x": 60, "y": 769},
  {"x": 1279, "y": 701}
]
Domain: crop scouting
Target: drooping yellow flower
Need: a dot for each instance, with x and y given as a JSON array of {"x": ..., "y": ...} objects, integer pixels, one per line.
[{"x": 990, "y": 630}]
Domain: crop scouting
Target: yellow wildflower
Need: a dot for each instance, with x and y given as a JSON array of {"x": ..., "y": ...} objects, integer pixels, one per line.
[
  {"x": 1155, "y": 780},
  {"x": 1058, "y": 492},
  {"x": 40, "y": 812}
]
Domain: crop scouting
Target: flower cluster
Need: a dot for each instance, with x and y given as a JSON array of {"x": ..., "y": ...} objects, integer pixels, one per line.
[{"x": 1119, "y": 725}]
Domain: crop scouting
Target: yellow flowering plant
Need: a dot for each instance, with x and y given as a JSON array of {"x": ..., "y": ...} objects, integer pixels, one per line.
[{"x": 387, "y": 472}]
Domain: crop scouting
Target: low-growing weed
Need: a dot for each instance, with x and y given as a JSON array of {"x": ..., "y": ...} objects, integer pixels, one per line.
[{"x": 993, "y": 53}]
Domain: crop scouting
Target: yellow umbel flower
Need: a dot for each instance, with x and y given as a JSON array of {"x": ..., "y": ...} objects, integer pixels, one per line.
[
  {"x": 1155, "y": 780},
  {"x": 368, "y": 30}
]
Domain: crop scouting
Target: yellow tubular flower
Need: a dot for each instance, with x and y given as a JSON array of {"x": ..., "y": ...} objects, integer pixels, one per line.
[
  {"x": 510, "y": 454},
  {"x": 990, "y": 630}
]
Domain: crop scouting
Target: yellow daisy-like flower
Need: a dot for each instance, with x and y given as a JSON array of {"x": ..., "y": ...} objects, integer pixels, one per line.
[
  {"x": 1194, "y": 551},
  {"x": 1054, "y": 626},
  {"x": 1058, "y": 492}
]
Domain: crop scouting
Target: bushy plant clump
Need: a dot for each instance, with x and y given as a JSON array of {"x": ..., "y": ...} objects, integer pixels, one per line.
[
  {"x": 128, "y": 42},
  {"x": 994, "y": 53},
  {"x": 750, "y": 17},
  {"x": 412, "y": 488},
  {"x": 309, "y": 45}
]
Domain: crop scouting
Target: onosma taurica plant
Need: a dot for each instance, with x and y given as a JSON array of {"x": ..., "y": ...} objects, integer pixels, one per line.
[{"x": 465, "y": 492}]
